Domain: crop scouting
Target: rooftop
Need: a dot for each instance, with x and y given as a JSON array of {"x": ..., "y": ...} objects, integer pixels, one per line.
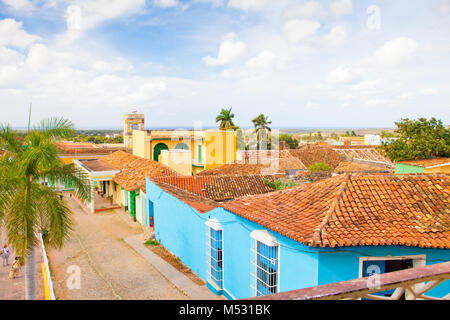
[
  {"x": 219, "y": 188},
  {"x": 95, "y": 165},
  {"x": 357, "y": 210},
  {"x": 310, "y": 154},
  {"x": 428, "y": 163},
  {"x": 364, "y": 154},
  {"x": 346, "y": 166},
  {"x": 134, "y": 169}
]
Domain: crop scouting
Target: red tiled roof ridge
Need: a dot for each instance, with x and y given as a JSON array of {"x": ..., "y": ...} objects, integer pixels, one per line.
[
  {"x": 317, "y": 237},
  {"x": 356, "y": 209}
]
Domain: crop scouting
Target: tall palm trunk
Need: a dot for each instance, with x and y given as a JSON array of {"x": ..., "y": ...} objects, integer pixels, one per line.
[{"x": 30, "y": 275}]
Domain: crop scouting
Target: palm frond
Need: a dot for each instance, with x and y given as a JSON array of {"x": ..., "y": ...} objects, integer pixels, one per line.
[
  {"x": 55, "y": 216},
  {"x": 56, "y": 128},
  {"x": 69, "y": 175}
]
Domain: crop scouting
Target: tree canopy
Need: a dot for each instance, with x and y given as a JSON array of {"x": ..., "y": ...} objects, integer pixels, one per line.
[
  {"x": 419, "y": 139},
  {"x": 225, "y": 118}
]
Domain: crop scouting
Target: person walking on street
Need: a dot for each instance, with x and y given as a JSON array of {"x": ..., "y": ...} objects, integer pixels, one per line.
[
  {"x": 15, "y": 268},
  {"x": 5, "y": 255}
]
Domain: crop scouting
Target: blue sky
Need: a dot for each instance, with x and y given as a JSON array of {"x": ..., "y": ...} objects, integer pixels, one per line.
[{"x": 334, "y": 63}]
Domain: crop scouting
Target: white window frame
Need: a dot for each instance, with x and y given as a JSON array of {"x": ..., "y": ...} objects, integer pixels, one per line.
[
  {"x": 213, "y": 224},
  {"x": 266, "y": 238},
  {"x": 418, "y": 260}
]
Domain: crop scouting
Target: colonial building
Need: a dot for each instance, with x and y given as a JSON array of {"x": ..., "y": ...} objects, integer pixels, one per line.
[
  {"x": 186, "y": 151},
  {"x": 337, "y": 229}
]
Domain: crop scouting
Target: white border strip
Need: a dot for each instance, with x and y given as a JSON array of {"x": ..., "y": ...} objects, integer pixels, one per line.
[{"x": 47, "y": 269}]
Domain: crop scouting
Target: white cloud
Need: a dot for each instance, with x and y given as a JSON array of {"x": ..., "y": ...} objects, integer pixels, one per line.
[
  {"x": 247, "y": 4},
  {"x": 297, "y": 30},
  {"x": 395, "y": 52},
  {"x": 166, "y": 3},
  {"x": 375, "y": 102},
  {"x": 19, "y": 4},
  {"x": 260, "y": 66},
  {"x": 336, "y": 36},
  {"x": 311, "y": 105},
  {"x": 430, "y": 91},
  {"x": 229, "y": 51},
  {"x": 341, "y": 75},
  {"x": 82, "y": 15},
  {"x": 12, "y": 34},
  {"x": 264, "y": 60},
  {"x": 309, "y": 10},
  {"x": 341, "y": 7},
  {"x": 214, "y": 3}
]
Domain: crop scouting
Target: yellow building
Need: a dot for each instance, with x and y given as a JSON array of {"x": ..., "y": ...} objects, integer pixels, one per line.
[
  {"x": 131, "y": 122},
  {"x": 208, "y": 148}
]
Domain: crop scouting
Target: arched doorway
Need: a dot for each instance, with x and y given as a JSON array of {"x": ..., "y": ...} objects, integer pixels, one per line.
[
  {"x": 157, "y": 150},
  {"x": 182, "y": 146}
]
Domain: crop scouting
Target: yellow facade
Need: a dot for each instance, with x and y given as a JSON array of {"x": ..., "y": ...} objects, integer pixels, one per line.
[
  {"x": 118, "y": 195},
  {"x": 209, "y": 148},
  {"x": 178, "y": 160},
  {"x": 440, "y": 169},
  {"x": 131, "y": 122}
]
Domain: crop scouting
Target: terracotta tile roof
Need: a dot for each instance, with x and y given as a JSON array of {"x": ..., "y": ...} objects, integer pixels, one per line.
[
  {"x": 365, "y": 154},
  {"x": 134, "y": 169},
  {"x": 310, "y": 154},
  {"x": 200, "y": 203},
  {"x": 346, "y": 166},
  {"x": 266, "y": 168},
  {"x": 233, "y": 169},
  {"x": 427, "y": 163},
  {"x": 357, "y": 210},
  {"x": 220, "y": 188}
]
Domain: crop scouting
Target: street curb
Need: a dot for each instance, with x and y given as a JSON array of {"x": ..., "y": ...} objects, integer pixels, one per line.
[{"x": 177, "y": 278}]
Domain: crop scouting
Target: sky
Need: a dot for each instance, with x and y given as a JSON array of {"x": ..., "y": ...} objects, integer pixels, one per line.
[{"x": 331, "y": 63}]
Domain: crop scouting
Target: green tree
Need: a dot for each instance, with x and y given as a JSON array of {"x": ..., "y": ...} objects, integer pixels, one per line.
[
  {"x": 225, "y": 118},
  {"x": 293, "y": 143},
  {"x": 28, "y": 206},
  {"x": 319, "y": 167},
  {"x": 280, "y": 184},
  {"x": 262, "y": 130},
  {"x": 419, "y": 139}
]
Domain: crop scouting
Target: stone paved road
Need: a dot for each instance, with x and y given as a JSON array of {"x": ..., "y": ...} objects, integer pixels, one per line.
[{"x": 109, "y": 268}]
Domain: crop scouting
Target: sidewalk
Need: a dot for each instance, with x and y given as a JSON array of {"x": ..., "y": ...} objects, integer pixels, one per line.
[
  {"x": 182, "y": 282},
  {"x": 14, "y": 289}
]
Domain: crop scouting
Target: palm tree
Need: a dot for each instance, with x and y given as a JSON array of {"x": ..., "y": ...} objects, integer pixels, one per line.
[
  {"x": 28, "y": 205},
  {"x": 225, "y": 118},
  {"x": 261, "y": 123}
]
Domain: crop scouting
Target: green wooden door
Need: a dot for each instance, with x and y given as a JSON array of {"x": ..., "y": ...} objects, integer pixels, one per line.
[
  {"x": 157, "y": 150},
  {"x": 133, "y": 204}
]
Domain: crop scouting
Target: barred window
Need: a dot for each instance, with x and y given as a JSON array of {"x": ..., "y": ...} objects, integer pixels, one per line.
[
  {"x": 264, "y": 264},
  {"x": 214, "y": 253}
]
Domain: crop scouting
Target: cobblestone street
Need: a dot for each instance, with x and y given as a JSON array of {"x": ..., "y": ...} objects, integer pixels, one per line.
[{"x": 109, "y": 267}]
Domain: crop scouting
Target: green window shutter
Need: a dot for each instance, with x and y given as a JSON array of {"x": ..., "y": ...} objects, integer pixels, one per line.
[{"x": 200, "y": 153}]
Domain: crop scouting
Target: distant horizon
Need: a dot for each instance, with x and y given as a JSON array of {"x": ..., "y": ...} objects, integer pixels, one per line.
[{"x": 85, "y": 128}]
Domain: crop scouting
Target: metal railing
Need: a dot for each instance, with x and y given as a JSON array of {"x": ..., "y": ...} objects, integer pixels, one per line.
[{"x": 408, "y": 284}]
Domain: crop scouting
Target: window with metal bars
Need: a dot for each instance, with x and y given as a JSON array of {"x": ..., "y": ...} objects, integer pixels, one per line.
[
  {"x": 214, "y": 256},
  {"x": 265, "y": 268}
]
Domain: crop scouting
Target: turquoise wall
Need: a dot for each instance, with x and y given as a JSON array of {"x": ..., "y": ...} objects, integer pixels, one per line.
[
  {"x": 182, "y": 230},
  {"x": 179, "y": 228},
  {"x": 344, "y": 263},
  {"x": 406, "y": 168}
]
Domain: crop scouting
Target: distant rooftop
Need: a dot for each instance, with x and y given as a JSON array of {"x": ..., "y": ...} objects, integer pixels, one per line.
[{"x": 428, "y": 163}]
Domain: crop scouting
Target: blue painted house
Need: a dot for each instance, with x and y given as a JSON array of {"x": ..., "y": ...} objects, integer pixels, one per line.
[{"x": 337, "y": 229}]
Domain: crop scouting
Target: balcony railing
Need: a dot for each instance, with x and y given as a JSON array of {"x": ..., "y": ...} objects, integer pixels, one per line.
[{"x": 409, "y": 284}]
